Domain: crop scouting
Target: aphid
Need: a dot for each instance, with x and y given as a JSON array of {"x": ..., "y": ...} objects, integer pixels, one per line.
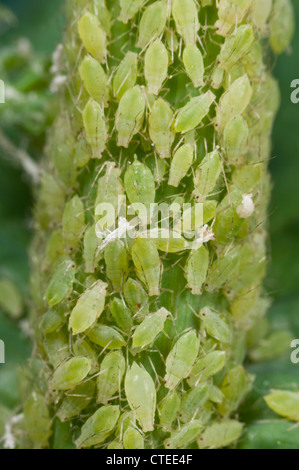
[
  {"x": 52, "y": 320},
  {"x": 152, "y": 23},
  {"x": 95, "y": 79},
  {"x": 160, "y": 170},
  {"x": 10, "y": 298},
  {"x": 192, "y": 401},
  {"x": 215, "y": 394},
  {"x": 92, "y": 36},
  {"x": 37, "y": 419},
  {"x": 185, "y": 15},
  {"x": 235, "y": 386},
  {"x": 95, "y": 127},
  {"x": 129, "y": 8},
  {"x": 231, "y": 13},
  {"x": 57, "y": 347},
  {"x": 215, "y": 325},
  {"x": 196, "y": 269},
  {"x": 234, "y": 101},
  {"x": 184, "y": 436},
  {"x": 110, "y": 377},
  {"x": 167, "y": 241},
  {"x": 70, "y": 373},
  {"x": 160, "y": 127},
  {"x": 217, "y": 78},
  {"x": 81, "y": 347},
  {"x": 207, "y": 175},
  {"x": 191, "y": 115},
  {"x": 106, "y": 337},
  {"x": 282, "y": 25},
  {"x": 252, "y": 62},
  {"x": 235, "y": 136},
  {"x": 139, "y": 184},
  {"x": 73, "y": 222},
  {"x": 129, "y": 115},
  {"x": 88, "y": 308},
  {"x": 235, "y": 47},
  {"x": 171, "y": 41},
  {"x": 117, "y": 263},
  {"x": 91, "y": 255},
  {"x": 115, "y": 445},
  {"x": 155, "y": 66},
  {"x": 51, "y": 202},
  {"x": 61, "y": 283},
  {"x": 82, "y": 154},
  {"x": 228, "y": 223},
  {"x": 125, "y": 76},
  {"x": 98, "y": 427},
  {"x": 121, "y": 314},
  {"x": 76, "y": 401},
  {"x": 284, "y": 403},
  {"x": 260, "y": 12},
  {"x": 181, "y": 358},
  {"x": 136, "y": 297},
  {"x": 194, "y": 65},
  {"x": 132, "y": 439},
  {"x": 104, "y": 15},
  {"x": 180, "y": 164},
  {"x": 222, "y": 270},
  {"x": 218, "y": 435},
  {"x": 147, "y": 264},
  {"x": 110, "y": 187},
  {"x": 271, "y": 347},
  {"x": 208, "y": 213},
  {"x": 206, "y": 367},
  {"x": 169, "y": 409},
  {"x": 149, "y": 329},
  {"x": 141, "y": 395}
]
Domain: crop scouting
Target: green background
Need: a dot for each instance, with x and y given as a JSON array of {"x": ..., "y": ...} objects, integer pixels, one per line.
[{"x": 42, "y": 23}]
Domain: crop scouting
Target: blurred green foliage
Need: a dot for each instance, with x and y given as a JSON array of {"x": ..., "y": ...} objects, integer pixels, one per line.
[{"x": 42, "y": 23}]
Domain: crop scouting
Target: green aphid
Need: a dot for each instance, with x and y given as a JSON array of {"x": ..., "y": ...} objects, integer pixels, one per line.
[
  {"x": 168, "y": 410},
  {"x": 70, "y": 373},
  {"x": 209, "y": 207},
  {"x": 146, "y": 333},
  {"x": 234, "y": 101},
  {"x": 129, "y": 8},
  {"x": 152, "y": 23},
  {"x": 52, "y": 320},
  {"x": 94, "y": 79},
  {"x": 193, "y": 401},
  {"x": 160, "y": 127},
  {"x": 121, "y": 314},
  {"x": 219, "y": 435},
  {"x": 155, "y": 66},
  {"x": 231, "y": 13},
  {"x": 117, "y": 263},
  {"x": 61, "y": 283},
  {"x": 184, "y": 436},
  {"x": 82, "y": 154},
  {"x": 196, "y": 269},
  {"x": 236, "y": 384},
  {"x": 55, "y": 249},
  {"x": 235, "y": 137},
  {"x": 206, "y": 367},
  {"x": 98, "y": 427},
  {"x": 228, "y": 222},
  {"x": 133, "y": 439},
  {"x": 181, "y": 359},
  {"x": 88, "y": 308},
  {"x": 207, "y": 175},
  {"x": 141, "y": 395},
  {"x": 180, "y": 164},
  {"x": 136, "y": 297},
  {"x": 95, "y": 127},
  {"x": 185, "y": 15},
  {"x": 110, "y": 187},
  {"x": 253, "y": 61},
  {"x": 222, "y": 270},
  {"x": 50, "y": 203},
  {"x": 217, "y": 78},
  {"x": 126, "y": 75},
  {"x": 129, "y": 116},
  {"x": 106, "y": 337},
  {"x": 93, "y": 36},
  {"x": 215, "y": 325},
  {"x": 282, "y": 25},
  {"x": 235, "y": 47},
  {"x": 110, "y": 376},
  {"x": 81, "y": 347},
  {"x": 194, "y": 65},
  {"x": 147, "y": 264},
  {"x": 140, "y": 184},
  {"x": 57, "y": 347},
  {"x": 91, "y": 254},
  {"x": 168, "y": 241},
  {"x": 215, "y": 394},
  {"x": 260, "y": 12},
  {"x": 73, "y": 222},
  {"x": 285, "y": 403},
  {"x": 37, "y": 420},
  {"x": 76, "y": 400},
  {"x": 192, "y": 114},
  {"x": 248, "y": 179},
  {"x": 115, "y": 445}
]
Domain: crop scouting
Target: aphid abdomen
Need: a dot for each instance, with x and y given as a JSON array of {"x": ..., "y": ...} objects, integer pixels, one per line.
[
  {"x": 133, "y": 439},
  {"x": 129, "y": 116},
  {"x": 147, "y": 264},
  {"x": 95, "y": 79},
  {"x": 155, "y": 66},
  {"x": 160, "y": 127},
  {"x": 110, "y": 377},
  {"x": 180, "y": 164},
  {"x": 95, "y": 127},
  {"x": 139, "y": 184},
  {"x": 235, "y": 136},
  {"x": 148, "y": 330},
  {"x": 196, "y": 269},
  {"x": 192, "y": 114},
  {"x": 117, "y": 263},
  {"x": 185, "y": 14},
  {"x": 169, "y": 409},
  {"x": 92, "y": 36},
  {"x": 206, "y": 175},
  {"x": 194, "y": 65},
  {"x": 125, "y": 76},
  {"x": 98, "y": 427},
  {"x": 235, "y": 47},
  {"x": 129, "y": 8},
  {"x": 152, "y": 23},
  {"x": 184, "y": 436},
  {"x": 121, "y": 314}
]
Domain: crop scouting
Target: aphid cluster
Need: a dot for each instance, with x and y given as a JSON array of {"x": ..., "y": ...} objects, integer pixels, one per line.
[{"x": 138, "y": 336}]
